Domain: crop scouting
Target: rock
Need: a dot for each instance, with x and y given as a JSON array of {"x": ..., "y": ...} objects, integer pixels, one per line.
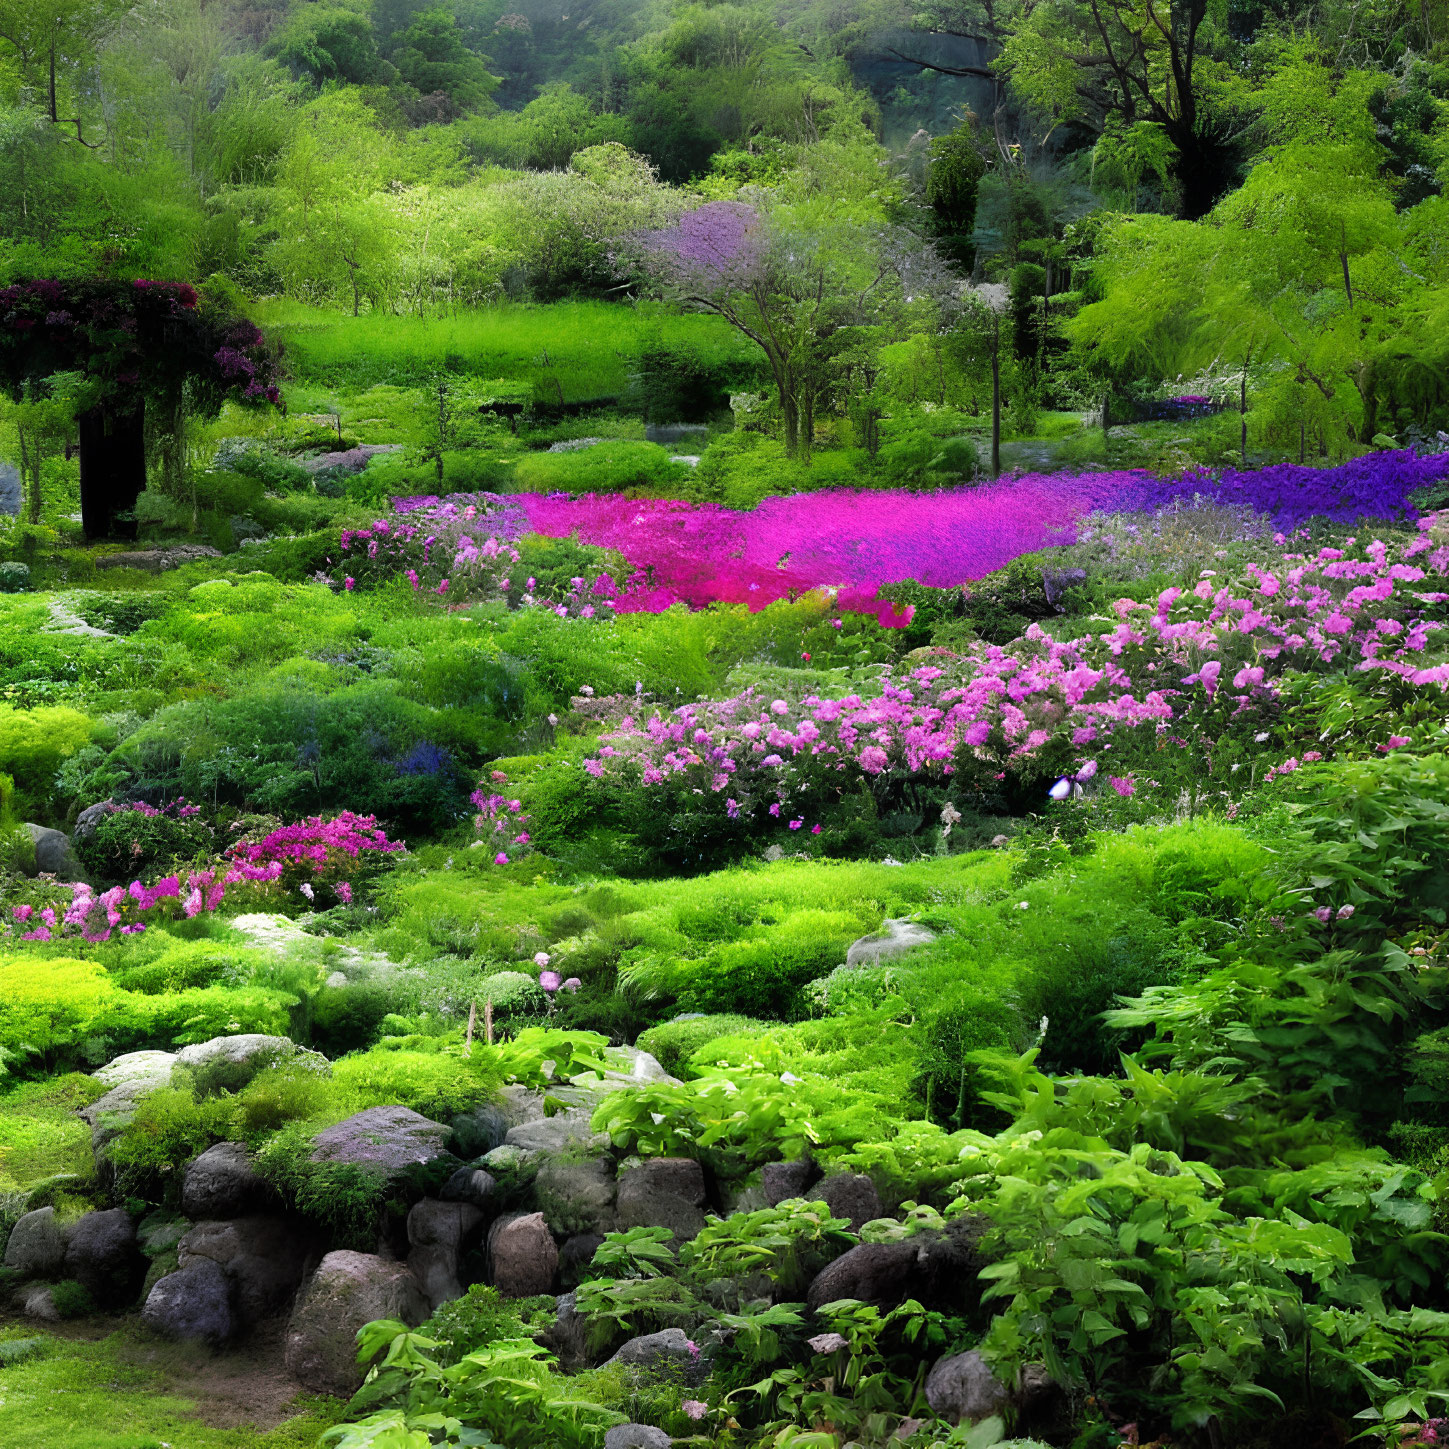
[
  {"x": 665, "y": 1192},
  {"x": 10, "y": 490},
  {"x": 749, "y": 1198},
  {"x": 523, "y": 1255},
  {"x": 1000, "y": 842},
  {"x": 568, "y": 1335},
  {"x": 636, "y": 1436},
  {"x": 222, "y": 1183},
  {"x": 240, "y": 1058},
  {"x": 948, "y": 1265},
  {"x": 192, "y": 1303},
  {"x": 639, "y": 1066},
  {"x": 152, "y": 1068},
  {"x": 1044, "y": 1408},
  {"x": 481, "y": 1130},
  {"x": 391, "y": 1139},
  {"x": 271, "y": 932},
  {"x": 849, "y": 1195},
  {"x": 575, "y": 1257},
  {"x": 54, "y": 854},
  {"x": 347, "y": 1291},
  {"x": 438, "y": 1232},
  {"x": 129, "y": 1078},
  {"x": 264, "y": 1259},
  {"x": 663, "y": 1352},
  {"x": 159, "y": 1232},
  {"x": 40, "y": 1303},
  {"x": 879, "y": 1273},
  {"x": 785, "y": 1180},
  {"x": 963, "y": 1389},
  {"x": 674, "y": 432},
  {"x": 1056, "y": 582},
  {"x": 158, "y": 560},
  {"x": 562, "y": 1132},
  {"x": 36, "y": 1248},
  {"x": 895, "y": 938},
  {"x": 471, "y": 1185},
  {"x": 511, "y": 1162},
  {"x": 88, "y": 819},
  {"x": 102, "y": 1255},
  {"x": 576, "y": 1197}
]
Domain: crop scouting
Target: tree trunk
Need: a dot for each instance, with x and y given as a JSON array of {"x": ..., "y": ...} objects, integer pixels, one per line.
[
  {"x": 1106, "y": 412},
  {"x": 112, "y": 470},
  {"x": 996, "y": 403},
  {"x": 1243, "y": 405}
]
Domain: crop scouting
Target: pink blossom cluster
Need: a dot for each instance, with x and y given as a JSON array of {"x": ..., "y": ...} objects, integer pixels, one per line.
[
  {"x": 176, "y": 809},
  {"x": 316, "y": 848},
  {"x": 450, "y": 550},
  {"x": 501, "y": 821},
  {"x": 1189, "y": 662}
]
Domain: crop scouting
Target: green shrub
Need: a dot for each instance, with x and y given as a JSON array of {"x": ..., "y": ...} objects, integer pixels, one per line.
[
  {"x": 170, "y": 1128},
  {"x": 72, "y": 1299},
  {"x": 483, "y": 1316},
  {"x": 437, "y": 1084},
  {"x": 127, "y": 845},
  {"x": 610, "y": 467},
  {"x": 50, "y": 1004}
]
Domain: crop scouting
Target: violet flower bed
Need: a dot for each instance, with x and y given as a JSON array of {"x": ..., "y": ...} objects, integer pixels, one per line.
[{"x": 851, "y": 541}]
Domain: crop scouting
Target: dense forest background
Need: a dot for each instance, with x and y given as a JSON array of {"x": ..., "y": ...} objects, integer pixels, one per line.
[{"x": 1278, "y": 166}]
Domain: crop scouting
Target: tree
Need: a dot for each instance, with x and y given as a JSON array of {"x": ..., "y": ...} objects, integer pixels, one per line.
[
  {"x": 792, "y": 282},
  {"x": 119, "y": 349},
  {"x": 1100, "y": 64},
  {"x": 328, "y": 42},
  {"x": 431, "y": 57},
  {"x": 53, "y": 43},
  {"x": 952, "y": 187}
]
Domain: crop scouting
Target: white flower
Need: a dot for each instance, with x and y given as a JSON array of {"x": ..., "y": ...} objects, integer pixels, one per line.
[{"x": 1023, "y": 905}]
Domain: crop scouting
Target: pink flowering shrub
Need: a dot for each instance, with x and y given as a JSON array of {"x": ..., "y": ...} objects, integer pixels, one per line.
[
  {"x": 1179, "y": 675},
  {"x": 318, "y": 860}
]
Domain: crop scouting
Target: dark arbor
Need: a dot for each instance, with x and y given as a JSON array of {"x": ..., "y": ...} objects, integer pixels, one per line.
[{"x": 126, "y": 349}]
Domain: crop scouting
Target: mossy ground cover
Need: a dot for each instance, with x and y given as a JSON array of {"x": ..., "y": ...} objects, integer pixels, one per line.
[{"x": 118, "y": 1391}]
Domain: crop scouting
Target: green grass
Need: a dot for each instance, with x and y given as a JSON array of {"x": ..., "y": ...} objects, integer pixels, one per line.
[
  {"x": 117, "y": 1394},
  {"x": 570, "y": 351}
]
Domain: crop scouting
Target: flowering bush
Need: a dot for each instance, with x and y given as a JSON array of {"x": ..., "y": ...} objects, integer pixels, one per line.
[
  {"x": 294, "y": 859},
  {"x": 1190, "y": 671}
]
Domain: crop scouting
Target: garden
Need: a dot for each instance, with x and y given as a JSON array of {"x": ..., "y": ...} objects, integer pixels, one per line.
[{"x": 723, "y": 726}]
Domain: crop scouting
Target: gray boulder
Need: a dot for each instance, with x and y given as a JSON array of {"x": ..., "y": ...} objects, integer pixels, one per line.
[
  {"x": 568, "y": 1335},
  {"x": 264, "y": 1259},
  {"x": 636, "y": 1436},
  {"x": 523, "y": 1255},
  {"x": 471, "y": 1185},
  {"x": 40, "y": 1303},
  {"x": 347, "y": 1291},
  {"x": 102, "y": 1255},
  {"x": 88, "y": 819},
  {"x": 10, "y": 490},
  {"x": 391, "y": 1139},
  {"x": 575, "y": 1257},
  {"x": 481, "y": 1130},
  {"x": 963, "y": 1389},
  {"x": 878, "y": 1273},
  {"x": 665, "y": 1192},
  {"x": 566, "y": 1131},
  {"x": 222, "y": 1183},
  {"x": 576, "y": 1197},
  {"x": 784, "y": 1180},
  {"x": 439, "y": 1233},
  {"x": 54, "y": 854},
  {"x": 151, "y": 1068},
  {"x": 242, "y": 1057},
  {"x": 193, "y": 1303},
  {"x": 895, "y": 938},
  {"x": 36, "y": 1248},
  {"x": 849, "y": 1195},
  {"x": 666, "y": 1352}
]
